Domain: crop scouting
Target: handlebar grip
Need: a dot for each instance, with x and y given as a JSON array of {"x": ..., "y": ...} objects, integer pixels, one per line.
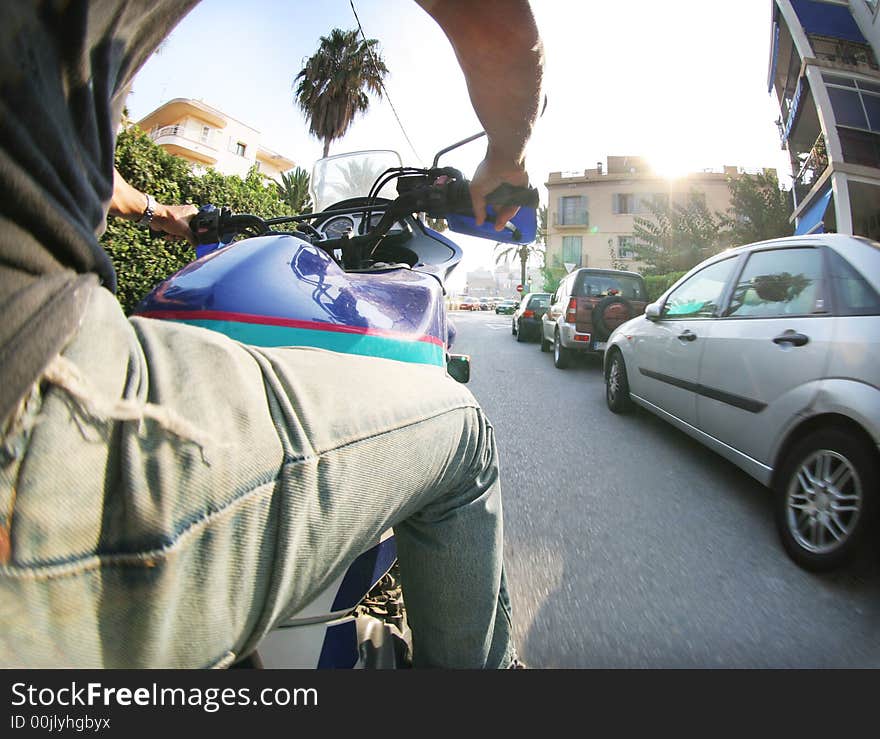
[
  {"x": 205, "y": 225},
  {"x": 506, "y": 194}
]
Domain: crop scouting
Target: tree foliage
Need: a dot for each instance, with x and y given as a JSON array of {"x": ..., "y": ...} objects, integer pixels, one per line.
[
  {"x": 759, "y": 210},
  {"x": 294, "y": 190},
  {"x": 331, "y": 88},
  {"x": 140, "y": 257},
  {"x": 677, "y": 236}
]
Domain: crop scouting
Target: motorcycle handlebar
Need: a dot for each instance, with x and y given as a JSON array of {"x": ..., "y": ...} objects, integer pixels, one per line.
[{"x": 427, "y": 194}]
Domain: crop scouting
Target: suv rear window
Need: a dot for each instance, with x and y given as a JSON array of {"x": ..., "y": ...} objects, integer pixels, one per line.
[
  {"x": 539, "y": 301},
  {"x": 594, "y": 285}
]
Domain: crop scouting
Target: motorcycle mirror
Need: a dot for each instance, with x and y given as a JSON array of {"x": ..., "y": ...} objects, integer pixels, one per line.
[{"x": 455, "y": 146}]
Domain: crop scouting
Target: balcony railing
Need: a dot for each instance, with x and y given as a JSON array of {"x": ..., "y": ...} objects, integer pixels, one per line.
[
  {"x": 180, "y": 131},
  {"x": 811, "y": 170},
  {"x": 568, "y": 219},
  {"x": 849, "y": 53}
]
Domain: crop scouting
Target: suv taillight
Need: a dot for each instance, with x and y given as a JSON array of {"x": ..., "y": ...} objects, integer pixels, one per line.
[
  {"x": 571, "y": 311},
  {"x": 528, "y": 314}
]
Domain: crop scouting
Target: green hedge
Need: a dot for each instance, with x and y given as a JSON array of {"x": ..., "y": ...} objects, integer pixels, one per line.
[
  {"x": 658, "y": 284},
  {"x": 140, "y": 258}
]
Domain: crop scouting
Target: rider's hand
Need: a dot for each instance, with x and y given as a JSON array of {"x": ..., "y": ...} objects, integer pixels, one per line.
[
  {"x": 173, "y": 220},
  {"x": 494, "y": 171}
]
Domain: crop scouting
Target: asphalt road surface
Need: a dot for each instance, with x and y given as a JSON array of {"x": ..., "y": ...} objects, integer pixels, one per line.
[{"x": 629, "y": 545}]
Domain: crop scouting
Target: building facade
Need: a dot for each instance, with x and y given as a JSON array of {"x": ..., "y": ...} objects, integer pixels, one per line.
[
  {"x": 826, "y": 79},
  {"x": 591, "y": 215},
  {"x": 205, "y": 136}
]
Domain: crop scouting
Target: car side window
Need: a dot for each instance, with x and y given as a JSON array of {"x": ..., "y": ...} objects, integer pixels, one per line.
[
  {"x": 700, "y": 295},
  {"x": 779, "y": 282},
  {"x": 855, "y": 297}
]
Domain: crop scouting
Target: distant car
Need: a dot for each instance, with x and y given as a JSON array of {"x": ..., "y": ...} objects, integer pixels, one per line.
[
  {"x": 505, "y": 307},
  {"x": 485, "y": 304},
  {"x": 469, "y": 303},
  {"x": 769, "y": 354},
  {"x": 526, "y": 321},
  {"x": 586, "y": 307}
]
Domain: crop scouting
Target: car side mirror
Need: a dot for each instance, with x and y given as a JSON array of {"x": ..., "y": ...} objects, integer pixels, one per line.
[{"x": 653, "y": 311}]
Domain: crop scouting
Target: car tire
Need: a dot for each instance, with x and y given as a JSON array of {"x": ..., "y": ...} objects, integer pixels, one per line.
[
  {"x": 831, "y": 465},
  {"x": 561, "y": 355},
  {"x": 601, "y": 330},
  {"x": 617, "y": 394},
  {"x": 546, "y": 346},
  {"x": 513, "y": 328}
]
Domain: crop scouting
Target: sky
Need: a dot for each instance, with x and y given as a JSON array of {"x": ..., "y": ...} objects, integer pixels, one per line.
[{"x": 681, "y": 82}]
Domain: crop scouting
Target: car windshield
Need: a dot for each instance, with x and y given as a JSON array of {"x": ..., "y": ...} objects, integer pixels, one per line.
[{"x": 602, "y": 285}]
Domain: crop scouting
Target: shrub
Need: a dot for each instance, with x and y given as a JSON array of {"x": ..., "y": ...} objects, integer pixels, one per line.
[{"x": 141, "y": 258}]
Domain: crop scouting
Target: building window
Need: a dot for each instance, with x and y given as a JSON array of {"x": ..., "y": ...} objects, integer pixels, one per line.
[
  {"x": 624, "y": 203},
  {"x": 572, "y": 246},
  {"x": 240, "y": 149},
  {"x": 626, "y": 247},
  {"x": 573, "y": 211},
  {"x": 205, "y": 136},
  {"x": 856, "y": 103}
]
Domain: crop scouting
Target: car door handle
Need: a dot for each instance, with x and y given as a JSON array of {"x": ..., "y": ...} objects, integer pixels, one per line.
[
  {"x": 791, "y": 337},
  {"x": 688, "y": 336}
]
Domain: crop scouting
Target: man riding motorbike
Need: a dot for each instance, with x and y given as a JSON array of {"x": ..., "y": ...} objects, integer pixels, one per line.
[{"x": 167, "y": 495}]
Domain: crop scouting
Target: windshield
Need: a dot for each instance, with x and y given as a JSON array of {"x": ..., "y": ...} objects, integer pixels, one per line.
[{"x": 352, "y": 175}]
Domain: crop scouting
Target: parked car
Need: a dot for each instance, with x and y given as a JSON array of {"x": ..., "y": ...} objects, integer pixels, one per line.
[
  {"x": 586, "y": 307},
  {"x": 468, "y": 303},
  {"x": 526, "y": 321},
  {"x": 770, "y": 355},
  {"x": 485, "y": 304},
  {"x": 505, "y": 307}
]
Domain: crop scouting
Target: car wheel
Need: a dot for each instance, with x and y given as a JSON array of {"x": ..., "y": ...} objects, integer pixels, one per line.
[
  {"x": 513, "y": 327},
  {"x": 561, "y": 355},
  {"x": 826, "y": 497},
  {"x": 546, "y": 346},
  {"x": 519, "y": 333},
  {"x": 617, "y": 385}
]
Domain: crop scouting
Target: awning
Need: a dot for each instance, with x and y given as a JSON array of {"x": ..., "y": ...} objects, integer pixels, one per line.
[
  {"x": 812, "y": 219},
  {"x": 825, "y": 19},
  {"x": 774, "y": 56},
  {"x": 795, "y": 107}
]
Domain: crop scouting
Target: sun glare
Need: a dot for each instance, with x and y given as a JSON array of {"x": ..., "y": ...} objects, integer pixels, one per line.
[{"x": 681, "y": 154}]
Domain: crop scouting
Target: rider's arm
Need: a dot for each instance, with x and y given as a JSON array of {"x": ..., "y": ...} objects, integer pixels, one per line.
[
  {"x": 130, "y": 203},
  {"x": 500, "y": 52}
]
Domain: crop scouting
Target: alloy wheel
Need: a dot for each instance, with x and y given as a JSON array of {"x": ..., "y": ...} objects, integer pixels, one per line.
[{"x": 824, "y": 501}]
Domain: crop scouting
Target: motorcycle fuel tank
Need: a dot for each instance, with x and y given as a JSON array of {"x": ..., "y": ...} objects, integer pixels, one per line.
[{"x": 279, "y": 290}]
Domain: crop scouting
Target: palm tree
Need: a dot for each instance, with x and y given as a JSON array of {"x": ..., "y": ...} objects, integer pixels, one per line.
[
  {"x": 522, "y": 252},
  {"x": 294, "y": 190},
  {"x": 332, "y": 86}
]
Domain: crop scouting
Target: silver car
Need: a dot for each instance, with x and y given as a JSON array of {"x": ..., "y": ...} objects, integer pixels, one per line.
[{"x": 770, "y": 355}]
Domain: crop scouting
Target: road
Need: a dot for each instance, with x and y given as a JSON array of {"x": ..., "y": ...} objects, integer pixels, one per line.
[{"x": 629, "y": 545}]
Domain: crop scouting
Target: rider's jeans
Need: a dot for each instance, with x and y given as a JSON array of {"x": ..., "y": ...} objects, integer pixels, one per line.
[{"x": 169, "y": 495}]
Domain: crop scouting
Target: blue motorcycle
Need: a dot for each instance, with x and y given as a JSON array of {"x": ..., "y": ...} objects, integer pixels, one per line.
[{"x": 363, "y": 274}]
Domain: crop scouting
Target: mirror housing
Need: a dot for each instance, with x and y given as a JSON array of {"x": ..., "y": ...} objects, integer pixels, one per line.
[
  {"x": 459, "y": 367},
  {"x": 653, "y": 310}
]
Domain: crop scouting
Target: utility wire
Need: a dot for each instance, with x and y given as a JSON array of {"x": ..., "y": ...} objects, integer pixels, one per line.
[{"x": 382, "y": 85}]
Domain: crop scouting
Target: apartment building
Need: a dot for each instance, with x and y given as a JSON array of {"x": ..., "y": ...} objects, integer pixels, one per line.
[
  {"x": 591, "y": 214},
  {"x": 825, "y": 76},
  {"x": 205, "y": 136}
]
